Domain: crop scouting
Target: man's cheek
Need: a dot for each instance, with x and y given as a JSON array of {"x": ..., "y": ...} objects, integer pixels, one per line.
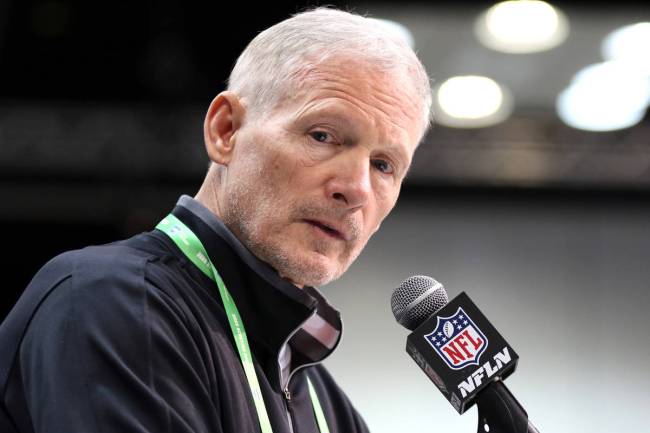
[{"x": 315, "y": 152}]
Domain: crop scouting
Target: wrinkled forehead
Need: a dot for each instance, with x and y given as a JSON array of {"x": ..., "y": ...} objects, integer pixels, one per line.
[{"x": 387, "y": 93}]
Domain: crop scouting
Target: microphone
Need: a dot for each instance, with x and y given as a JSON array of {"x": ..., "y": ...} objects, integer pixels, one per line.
[{"x": 461, "y": 352}]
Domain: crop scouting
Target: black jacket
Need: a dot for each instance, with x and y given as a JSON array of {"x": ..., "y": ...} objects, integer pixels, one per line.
[{"x": 132, "y": 337}]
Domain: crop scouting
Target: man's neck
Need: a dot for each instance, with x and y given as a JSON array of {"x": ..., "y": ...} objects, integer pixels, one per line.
[{"x": 208, "y": 193}]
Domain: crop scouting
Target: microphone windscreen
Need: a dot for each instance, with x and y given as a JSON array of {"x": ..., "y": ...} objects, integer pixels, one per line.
[{"x": 417, "y": 298}]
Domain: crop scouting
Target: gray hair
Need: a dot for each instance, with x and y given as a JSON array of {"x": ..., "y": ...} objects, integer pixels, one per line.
[{"x": 266, "y": 70}]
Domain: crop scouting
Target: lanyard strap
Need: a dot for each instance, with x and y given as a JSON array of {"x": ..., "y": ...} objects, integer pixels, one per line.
[{"x": 192, "y": 247}]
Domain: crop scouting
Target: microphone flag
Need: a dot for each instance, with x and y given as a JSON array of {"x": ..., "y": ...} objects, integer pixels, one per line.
[{"x": 460, "y": 351}]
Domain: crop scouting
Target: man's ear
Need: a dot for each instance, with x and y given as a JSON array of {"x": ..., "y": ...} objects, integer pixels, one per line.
[{"x": 223, "y": 119}]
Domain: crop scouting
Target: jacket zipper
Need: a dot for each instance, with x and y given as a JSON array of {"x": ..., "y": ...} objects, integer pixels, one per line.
[
  {"x": 287, "y": 403},
  {"x": 287, "y": 393}
]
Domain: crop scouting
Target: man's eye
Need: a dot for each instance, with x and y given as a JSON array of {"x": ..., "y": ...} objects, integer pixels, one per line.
[
  {"x": 320, "y": 136},
  {"x": 383, "y": 166}
]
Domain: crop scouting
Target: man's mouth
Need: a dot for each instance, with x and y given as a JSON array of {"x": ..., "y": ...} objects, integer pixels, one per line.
[{"x": 327, "y": 229}]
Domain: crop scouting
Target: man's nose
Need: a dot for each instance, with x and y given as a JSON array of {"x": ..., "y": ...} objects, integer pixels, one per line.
[{"x": 351, "y": 185}]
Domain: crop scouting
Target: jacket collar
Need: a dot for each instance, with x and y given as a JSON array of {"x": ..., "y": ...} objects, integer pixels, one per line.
[{"x": 274, "y": 311}]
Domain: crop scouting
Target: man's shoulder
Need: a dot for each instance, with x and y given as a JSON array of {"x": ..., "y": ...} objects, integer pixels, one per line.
[
  {"x": 102, "y": 279},
  {"x": 96, "y": 288},
  {"x": 90, "y": 259},
  {"x": 119, "y": 262},
  {"x": 97, "y": 291},
  {"x": 102, "y": 274}
]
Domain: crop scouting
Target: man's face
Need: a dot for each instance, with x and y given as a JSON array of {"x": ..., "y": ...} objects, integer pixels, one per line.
[{"x": 310, "y": 182}]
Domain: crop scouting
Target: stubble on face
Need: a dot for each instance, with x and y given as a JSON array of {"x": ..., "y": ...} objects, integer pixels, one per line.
[
  {"x": 259, "y": 215},
  {"x": 249, "y": 205}
]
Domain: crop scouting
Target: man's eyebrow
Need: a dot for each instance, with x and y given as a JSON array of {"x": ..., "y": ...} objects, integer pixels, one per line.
[
  {"x": 341, "y": 119},
  {"x": 329, "y": 114}
]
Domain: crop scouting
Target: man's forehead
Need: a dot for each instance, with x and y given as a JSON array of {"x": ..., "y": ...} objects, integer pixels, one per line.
[
  {"x": 352, "y": 94},
  {"x": 339, "y": 113},
  {"x": 343, "y": 69}
]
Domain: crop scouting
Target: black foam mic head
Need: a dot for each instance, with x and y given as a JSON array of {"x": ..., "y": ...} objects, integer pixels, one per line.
[{"x": 417, "y": 298}]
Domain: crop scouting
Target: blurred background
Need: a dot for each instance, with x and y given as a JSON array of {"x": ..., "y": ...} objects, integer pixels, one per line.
[{"x": 530, "y": 192}]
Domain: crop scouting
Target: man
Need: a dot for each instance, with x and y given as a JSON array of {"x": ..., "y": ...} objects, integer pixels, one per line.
[{"x": 210, "y": 323}]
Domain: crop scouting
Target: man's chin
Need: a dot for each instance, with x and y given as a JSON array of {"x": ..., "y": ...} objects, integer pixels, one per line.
[
  {"x": 301, "y": 265},
  {"x": 312, "y": 270}
]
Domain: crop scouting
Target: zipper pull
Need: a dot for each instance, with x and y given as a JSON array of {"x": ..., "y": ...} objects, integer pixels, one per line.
[{"x": 287, "y": 394}]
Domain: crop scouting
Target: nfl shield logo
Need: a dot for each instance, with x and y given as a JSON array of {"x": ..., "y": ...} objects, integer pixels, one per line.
[{"x": 457, "y": 340}]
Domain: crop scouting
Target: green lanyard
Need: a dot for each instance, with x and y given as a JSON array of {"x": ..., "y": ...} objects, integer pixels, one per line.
[{"x": 192, "y": 247}]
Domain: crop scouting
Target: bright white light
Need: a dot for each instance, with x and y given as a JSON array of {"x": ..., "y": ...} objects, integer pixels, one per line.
[
  {"x": 470, "y": 97},
  {"x": 522, "y": 26},
  {"x": 396, "y": 29},
  {"x": 578, "y": 107},
  {"x": 471, "y": 102},
  {"x": 630, "y": 44},
  {"x": 604, "y": 97}
]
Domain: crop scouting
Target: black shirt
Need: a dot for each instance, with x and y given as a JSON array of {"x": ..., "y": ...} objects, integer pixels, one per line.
[{"x": 132, "y": 337}]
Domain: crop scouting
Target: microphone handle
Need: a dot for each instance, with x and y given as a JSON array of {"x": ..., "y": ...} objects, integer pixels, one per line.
[{"x": 500, "y": 412}]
